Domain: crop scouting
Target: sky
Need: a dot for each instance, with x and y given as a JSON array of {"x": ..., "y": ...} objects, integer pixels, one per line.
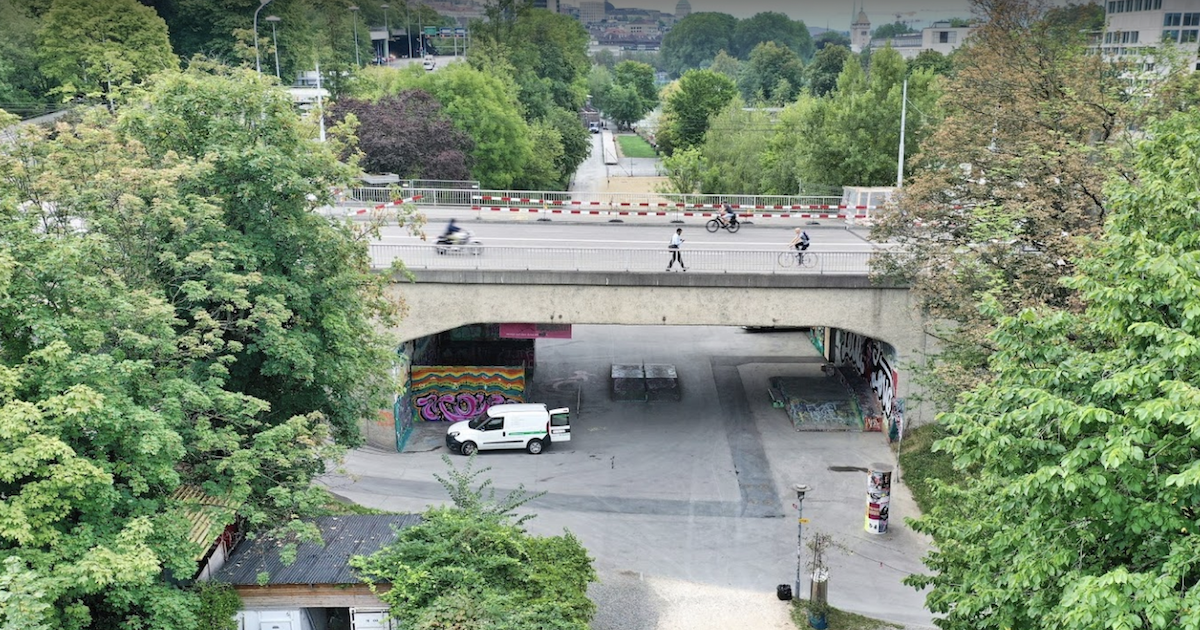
[{"x": 834, "y": 14}]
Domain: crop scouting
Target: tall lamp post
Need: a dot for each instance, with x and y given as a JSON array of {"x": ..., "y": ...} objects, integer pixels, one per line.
[
  {"x": 387, "y": 34},
  {"x": 257, "y": 64},
  {"x": 408, "y": 29},
  {"x": 273, "y": 19},
  {"x": 354, "y": 11},
  {"x": 801, "y": 489}
]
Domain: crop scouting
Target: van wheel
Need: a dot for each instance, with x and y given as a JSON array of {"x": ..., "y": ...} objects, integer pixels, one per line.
[
  {"x": 467, "y": 448},
  {"x": 534, "y": 447}
]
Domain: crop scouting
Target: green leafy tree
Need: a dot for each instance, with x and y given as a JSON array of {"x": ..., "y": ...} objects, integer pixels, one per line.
[
  {"x": 473, "y": 565},
  {"x": 639, "y": 76},
  {"x": 823, "y": 72},
  {"x": 888, "y": 31},
  {"x": 97, "y": 49},
  {"x": 696, "y": 40},
  {"x": 733, "y": 150},
  {"x": 542, "y": 172},
  {"x": 600, "y": 81},
  {"x": 24, "y": 89},
  {"x": 575, "y": 139},
  {"x": 1079, "y": 457},
  {"x": 726, "y": 64},
  {"x": 1018, "y": 163},
  {"x": 933, "y": 61},
  {"x": 700, "y": 94},
  {"x": 685, "y": 170},
  {"x": 831, "y": 38},
  {"x": 625, "y": 105},
  {"x": 772, "y": 75},
  {"x": 769, "y": 26}
]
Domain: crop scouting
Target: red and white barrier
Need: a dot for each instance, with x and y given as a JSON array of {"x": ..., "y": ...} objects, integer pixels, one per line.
[
  {"x": 644, "y": 204},
  {"x": 397, "y": 202},
  {"x": 650, "y": 213}
]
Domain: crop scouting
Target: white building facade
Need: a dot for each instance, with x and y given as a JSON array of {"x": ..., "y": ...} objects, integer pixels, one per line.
[{"x": 1134, "y": 26}]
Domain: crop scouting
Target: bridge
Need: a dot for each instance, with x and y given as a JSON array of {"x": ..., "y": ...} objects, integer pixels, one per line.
[{"x": 622, "y": 285}]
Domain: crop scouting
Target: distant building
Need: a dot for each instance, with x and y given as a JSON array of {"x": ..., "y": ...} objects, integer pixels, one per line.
[
  {"x": 941, "y": 37},
  {"x": 549, "y": 5},
  {"x": 1133, "y": 27},
  {"x": 682, "y": 9},
  {"x": 591, "y": 11},
  {"x": 860, "y": 32}
]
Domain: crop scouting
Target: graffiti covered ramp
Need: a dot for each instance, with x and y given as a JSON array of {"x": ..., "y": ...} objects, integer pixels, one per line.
[{"x": 819, "y": 402}]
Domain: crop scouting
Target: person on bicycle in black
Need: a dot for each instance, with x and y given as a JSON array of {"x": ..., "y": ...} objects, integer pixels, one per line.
[
  {"x": 801, "y": 243},
  {"x": 727, "y": 215}
]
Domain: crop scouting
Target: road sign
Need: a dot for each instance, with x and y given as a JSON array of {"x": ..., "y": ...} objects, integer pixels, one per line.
[
  {"x": 431, "y": 30},
  {"x": 447, "y": 32},
  {"x": 460, "y": 32}
]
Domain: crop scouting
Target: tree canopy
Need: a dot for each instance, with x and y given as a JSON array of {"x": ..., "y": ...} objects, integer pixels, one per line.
[
  {"x": 97, "y": 49},
  {"x": 700, "y": 94},
  {"x": 695, "y": 40},
  {"x": 769, "y": 26},
  {"x": 171, "y": 312},
  {"x": 1078, "y": 506},
  {"x": 773, "y": 75},
  {"x": 408, "y": 134},
  {"x": 473, "y": 566}
]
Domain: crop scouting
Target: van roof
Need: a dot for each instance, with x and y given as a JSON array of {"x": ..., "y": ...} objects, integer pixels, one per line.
[{"x": 496, "y": 410}]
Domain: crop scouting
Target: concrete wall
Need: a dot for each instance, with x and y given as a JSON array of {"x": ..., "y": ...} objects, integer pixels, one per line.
[{"x": 441, "y": 300}]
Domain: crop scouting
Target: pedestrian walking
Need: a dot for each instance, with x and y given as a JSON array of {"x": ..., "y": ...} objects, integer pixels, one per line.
[{"x": 676, "y": 243}]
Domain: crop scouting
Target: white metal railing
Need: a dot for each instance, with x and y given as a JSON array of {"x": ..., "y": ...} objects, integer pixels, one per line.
[
  {"x": 504, "y": 258},
  {"x": 466, "y": 197}
]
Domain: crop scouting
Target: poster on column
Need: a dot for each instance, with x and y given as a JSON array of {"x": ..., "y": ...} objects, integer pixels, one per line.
[
  {"x": 535, "y": 331},
  {"x": 879, "y": 497}
]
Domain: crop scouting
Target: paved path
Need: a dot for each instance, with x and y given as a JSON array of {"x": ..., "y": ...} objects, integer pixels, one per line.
[{"x": 686, "y": 506}]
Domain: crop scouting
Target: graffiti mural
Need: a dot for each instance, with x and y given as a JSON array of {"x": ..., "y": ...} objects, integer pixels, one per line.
[
  {"x": 451, "y": 394},
  {"x": 873, "y": 361}
]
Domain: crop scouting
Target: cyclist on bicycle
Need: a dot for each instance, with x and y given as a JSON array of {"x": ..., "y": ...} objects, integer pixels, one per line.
[
  {"x": 800, "y": 242},
  {"x": 727, "y": 216}
]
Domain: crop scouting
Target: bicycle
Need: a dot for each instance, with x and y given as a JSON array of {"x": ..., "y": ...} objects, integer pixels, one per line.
[
  {"x": 795, "y": 258},
  {"x": 715, "y": 224}
]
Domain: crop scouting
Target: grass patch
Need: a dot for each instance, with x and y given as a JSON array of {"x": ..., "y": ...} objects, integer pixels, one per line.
[
  {"x": 838, "y": 619},
  {"x": 920, "y": 464},
  {"x": 632, "y": 146}
]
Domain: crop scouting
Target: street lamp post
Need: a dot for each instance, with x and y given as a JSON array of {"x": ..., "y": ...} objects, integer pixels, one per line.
[
  {"x": 354, "y": 10},
  {"x": 387, "y": 34},
  {"x": 257, "y": 63},
  {"x": 274, "y": 40},
  {"x": 801, "y": 489},
  {"x": 408, "y": 28}
]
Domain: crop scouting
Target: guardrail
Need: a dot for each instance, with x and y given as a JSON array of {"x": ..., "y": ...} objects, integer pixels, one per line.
[
  {"x": 431, "y": 196},
  {"x": 505, "y": 258}
]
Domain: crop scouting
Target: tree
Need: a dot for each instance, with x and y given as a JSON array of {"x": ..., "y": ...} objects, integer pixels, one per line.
[
  {"x": 831, "y": 38},
  {"x": 24, "y": 89},
  {"x": 733, "y": 149},
  {"x": 1078, "y": 457},
  {"x": 726, "y": 64},
  {"x": 575, "y": 140},
  {"x": 888, "y": 31},
  {"x": 639, "y": 76},
  {"x": 1017, "y": 165},
  {"x": 769, "y": 65},
  {"x": 625, "y": 106},
  {"x": 96, "y": 50},
  {"x": 774, "y": 27},
  {"x": 933, "y": 61},
  {"x": 685, "y": 170},
  {"x": 600, "y": 81},
  {"x": 695, "y": 40},
  {"x": 701, "y": 93},
  {"x": 408, "y": 134},
  {"x": 473, "y": 565},
  {"x": 204, "y": 327},
  {"x": 823, "y": 72}
]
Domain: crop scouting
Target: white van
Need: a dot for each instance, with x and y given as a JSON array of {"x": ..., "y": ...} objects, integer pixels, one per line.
[{"x": 516, "y": 425}]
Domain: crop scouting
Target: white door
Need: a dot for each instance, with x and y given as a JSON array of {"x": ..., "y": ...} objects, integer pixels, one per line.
[
  {"x": 491, "y": 434},
  {"x": 369, "y": 619},
  {"x": 560, "y": 425}
]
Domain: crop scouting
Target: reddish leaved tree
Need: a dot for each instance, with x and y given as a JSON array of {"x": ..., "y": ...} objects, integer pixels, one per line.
[{"x": 408, "y": 134}]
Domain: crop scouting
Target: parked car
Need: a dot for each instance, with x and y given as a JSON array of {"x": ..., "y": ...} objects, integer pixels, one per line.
[{"x": 594, "y": 127}]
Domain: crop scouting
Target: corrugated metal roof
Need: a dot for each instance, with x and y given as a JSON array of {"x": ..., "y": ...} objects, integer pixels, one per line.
[
  {"x": 345, "y": 536},
  {"x": 206, "y": 514}
]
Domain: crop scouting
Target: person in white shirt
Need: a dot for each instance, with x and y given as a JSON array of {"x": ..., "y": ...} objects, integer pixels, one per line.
[{"x": 676, "y": 243}]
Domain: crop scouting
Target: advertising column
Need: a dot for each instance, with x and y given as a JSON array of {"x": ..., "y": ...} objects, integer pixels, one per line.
[{"x": 879, "y": 495}]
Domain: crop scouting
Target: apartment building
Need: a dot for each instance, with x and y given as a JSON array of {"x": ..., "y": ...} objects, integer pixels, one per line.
[{"x": 1133, "y": 26}]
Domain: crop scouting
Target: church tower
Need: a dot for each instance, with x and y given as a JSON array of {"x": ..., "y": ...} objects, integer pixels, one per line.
[{"x": 860, "y": 32}]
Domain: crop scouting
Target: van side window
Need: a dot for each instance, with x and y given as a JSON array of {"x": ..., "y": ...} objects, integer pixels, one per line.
[
  {"x": 494, "y": 424},
  {"x": 560, "y": 420}
]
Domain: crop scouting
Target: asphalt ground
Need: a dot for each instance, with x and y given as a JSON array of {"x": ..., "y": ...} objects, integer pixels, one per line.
[{"x": 687, "y": 506}]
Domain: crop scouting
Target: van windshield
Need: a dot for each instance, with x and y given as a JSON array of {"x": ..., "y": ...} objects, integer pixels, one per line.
[{"x": 477, "y": 422}]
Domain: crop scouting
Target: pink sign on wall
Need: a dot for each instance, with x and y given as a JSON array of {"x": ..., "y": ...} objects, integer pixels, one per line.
[{"x": 535, "y": 331}]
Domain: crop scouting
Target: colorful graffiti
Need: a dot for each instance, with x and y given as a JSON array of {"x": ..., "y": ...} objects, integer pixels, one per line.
[
  {"x": 451, "y": 394},
  {"x": 873, "y": 361}
]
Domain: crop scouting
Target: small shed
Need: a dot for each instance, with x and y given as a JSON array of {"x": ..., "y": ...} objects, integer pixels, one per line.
[{"x": 319, "y": 591}]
